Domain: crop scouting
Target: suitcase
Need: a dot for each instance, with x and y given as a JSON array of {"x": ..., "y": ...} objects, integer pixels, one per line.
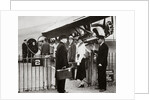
[
  {"x": 63, "y": 73},
  {"x": 73, "y": 65}
]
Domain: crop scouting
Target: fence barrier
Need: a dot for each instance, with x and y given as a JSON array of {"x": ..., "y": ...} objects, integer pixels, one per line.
[
  {"x": 92, "y": 72},
  {"x": 35, "y": 77},
  {"x": 35, "y": 74}
]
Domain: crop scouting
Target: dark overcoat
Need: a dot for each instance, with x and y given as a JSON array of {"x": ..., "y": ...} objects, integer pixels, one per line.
[
  {"x": 61, "y": 56},
  {"x": 72, "y": 52},
  {"x": 102, "y": 55},
  {"x": 102, "y": 59},
  {"x": 45, "y": 49},
  {"x": 81, "y": 71},
  {"x": 24, "y": 51},
  {"x": 61, "y": 61}
]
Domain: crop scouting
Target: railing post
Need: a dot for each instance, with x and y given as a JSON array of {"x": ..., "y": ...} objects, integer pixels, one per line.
[
  {"x": 19, "y": 74},
  {"x": 92, "y": 62},
  {"x": 115, "y": 68},
  {"x": 35, "y": 77},
  {"x": 109, "y": 60},
  {"x": 112, "y": 61},
  {"x": 43, "y": 71},
  {"x": 23, "y": 74},
  {"x": 27, "y": 75},
  {"x": 47, "y": 73},
  {"x": 39, "y": 77},
  {"x": 31, "y": 73},
  {"x": 50, "y": 74}
]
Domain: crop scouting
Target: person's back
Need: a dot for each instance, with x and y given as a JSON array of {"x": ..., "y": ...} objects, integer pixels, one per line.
[
  {"x": 45, "y": 50},
  {"x": 72, "y": 53},
  {"x": 24, "y": 51}
]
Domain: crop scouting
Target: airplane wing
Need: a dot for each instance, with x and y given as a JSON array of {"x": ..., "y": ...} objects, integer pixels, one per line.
[{"x": 71, "y": 25}]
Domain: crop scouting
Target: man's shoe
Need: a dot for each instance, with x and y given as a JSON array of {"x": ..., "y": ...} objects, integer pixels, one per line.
[
  {"x": 63, "y": 91},
  {"x": 66, "y": 91},
  {"x": 97, "y": 88},
  {"x": 102, "y": 90}
]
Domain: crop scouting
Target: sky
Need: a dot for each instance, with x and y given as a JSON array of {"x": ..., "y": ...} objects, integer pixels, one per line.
[{"x": 31, "y": 21}]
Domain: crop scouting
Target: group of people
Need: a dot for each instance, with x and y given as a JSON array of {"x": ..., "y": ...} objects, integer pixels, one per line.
[{"x": 77, "y": 52}]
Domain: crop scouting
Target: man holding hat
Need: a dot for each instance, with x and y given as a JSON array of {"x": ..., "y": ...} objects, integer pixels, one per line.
[
  {"x": 61, "y": 62},
  {"x": 102, "y": 63}
]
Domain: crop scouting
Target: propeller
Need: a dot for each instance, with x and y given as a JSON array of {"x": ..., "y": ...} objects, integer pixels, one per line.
[
  {"x": 106, "y": 26},
  {"x": 32, "y": 45}
]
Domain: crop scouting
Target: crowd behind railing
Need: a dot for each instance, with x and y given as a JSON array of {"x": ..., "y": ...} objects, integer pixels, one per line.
[{"x": 38, "y": 66}]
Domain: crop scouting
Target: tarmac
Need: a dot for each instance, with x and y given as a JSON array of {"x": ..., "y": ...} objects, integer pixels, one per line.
[
  {"x": 31, "y": 77},
  {"x": 71, "y": 86}
]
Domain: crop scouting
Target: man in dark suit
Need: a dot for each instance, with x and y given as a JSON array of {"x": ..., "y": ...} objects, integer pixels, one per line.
[
  {"x": 61, "y": 62},
  {"x": 45, "y": 49},
  {"x": 102, "y": 63},
  {"x": 24, "y": 51}
]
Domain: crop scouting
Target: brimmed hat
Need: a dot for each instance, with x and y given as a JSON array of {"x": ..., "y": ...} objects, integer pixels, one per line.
[
  {"x": 70, "y": 37},
  {"x": 62, "y": 37},
  {"x": 76, "y": 38},
  {"x": 100, "y": 37},
  {"x": 80, "y": 38}
]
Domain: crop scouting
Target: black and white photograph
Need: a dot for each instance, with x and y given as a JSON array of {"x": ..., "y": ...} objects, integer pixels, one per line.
[
  {"x": 67, "y": 54},
  {"x": 82, "y": 48}
]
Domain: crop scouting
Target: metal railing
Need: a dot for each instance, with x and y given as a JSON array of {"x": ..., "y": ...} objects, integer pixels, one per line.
[
  {"x": 111, "y": 60},
  {"x": 36, "y": 78},
  {"x": 112, "y": 66},
  {"x": 92, "y": 71},
  {"x": 33, "y": 78}
]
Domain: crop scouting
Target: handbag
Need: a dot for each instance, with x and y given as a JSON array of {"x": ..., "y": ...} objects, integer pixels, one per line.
[{"x": 63, "y": 73}]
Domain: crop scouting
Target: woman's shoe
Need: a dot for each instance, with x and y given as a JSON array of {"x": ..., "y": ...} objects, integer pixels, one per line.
[{"x": 81, "y": 86}]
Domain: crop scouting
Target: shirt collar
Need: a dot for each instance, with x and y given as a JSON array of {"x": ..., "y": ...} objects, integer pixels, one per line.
[{"x": 101, "y": 43}]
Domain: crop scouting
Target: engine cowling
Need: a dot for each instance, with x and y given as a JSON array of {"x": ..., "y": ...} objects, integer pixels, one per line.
[{"x": 32, "y": 45}]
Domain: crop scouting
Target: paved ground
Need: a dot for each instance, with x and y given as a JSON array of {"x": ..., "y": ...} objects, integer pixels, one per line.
[
  {"x": 72, "y": 87},
  {"x": 36, "y": 77}
]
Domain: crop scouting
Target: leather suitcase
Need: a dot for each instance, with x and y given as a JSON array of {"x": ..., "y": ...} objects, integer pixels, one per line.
[{"x": 63, "y": 73}]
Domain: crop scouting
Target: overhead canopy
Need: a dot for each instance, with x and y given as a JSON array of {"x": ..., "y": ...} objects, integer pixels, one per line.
[{"x": 69, "y": 26}]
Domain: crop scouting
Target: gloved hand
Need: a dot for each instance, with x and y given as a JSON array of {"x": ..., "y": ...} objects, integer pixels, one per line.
[
  {"x": 64, "y": 67},
  {"x": 99, "y": 65}
]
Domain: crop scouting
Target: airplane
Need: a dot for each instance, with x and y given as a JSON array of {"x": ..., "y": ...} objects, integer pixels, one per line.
[
  {"x": 88, "y": 28},
  {"x": 81, "y": 25},
  {"x": 85, "y": 27}
]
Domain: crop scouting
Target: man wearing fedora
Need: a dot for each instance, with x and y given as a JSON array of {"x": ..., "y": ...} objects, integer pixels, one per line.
[
  {"x": 102, "y": 63},
  {"x": 61, "y": 62}
]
